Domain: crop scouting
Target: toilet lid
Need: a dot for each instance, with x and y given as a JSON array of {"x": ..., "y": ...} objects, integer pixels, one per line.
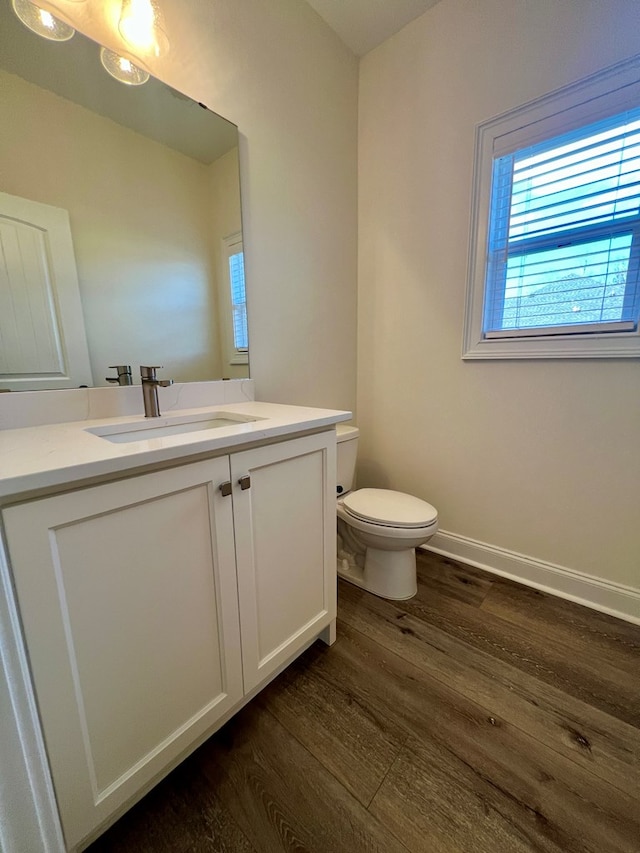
[{"x": 393, "y": 509}]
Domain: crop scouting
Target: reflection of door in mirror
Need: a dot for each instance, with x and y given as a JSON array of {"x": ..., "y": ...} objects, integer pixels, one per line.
[{"x": 42, "y": 337}]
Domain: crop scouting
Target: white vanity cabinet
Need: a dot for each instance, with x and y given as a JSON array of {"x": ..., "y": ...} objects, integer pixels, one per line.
[{"x": 151, "y": 606}]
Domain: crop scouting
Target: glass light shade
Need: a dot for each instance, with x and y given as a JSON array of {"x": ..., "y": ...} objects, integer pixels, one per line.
[
  {"x": 41, "y": 21},
  {"x": 141, "y": 25},
  {"x": 122, "y": 68}
]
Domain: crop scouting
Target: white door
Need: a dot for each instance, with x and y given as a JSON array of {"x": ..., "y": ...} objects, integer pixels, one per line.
[
  {"x": 128, "y": 598},
  {"x": 285, "y": 520},
  {"x": 42, "y": 336}
]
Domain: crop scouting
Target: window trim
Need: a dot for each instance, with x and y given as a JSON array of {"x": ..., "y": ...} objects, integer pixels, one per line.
[{"x": 597, "y": 97}]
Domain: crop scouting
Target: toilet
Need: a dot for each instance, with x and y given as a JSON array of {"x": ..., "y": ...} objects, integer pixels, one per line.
[{"x": 378, "y": 529}]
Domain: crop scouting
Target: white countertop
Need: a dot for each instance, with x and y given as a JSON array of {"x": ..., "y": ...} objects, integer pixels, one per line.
[{"x": 34, "y": 458}]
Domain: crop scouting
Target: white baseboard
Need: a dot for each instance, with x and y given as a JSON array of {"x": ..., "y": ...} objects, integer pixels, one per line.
[{"x": 606, "y": 596}]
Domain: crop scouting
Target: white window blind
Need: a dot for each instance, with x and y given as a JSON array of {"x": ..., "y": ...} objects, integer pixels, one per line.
[{"x": 564, "y": 234}]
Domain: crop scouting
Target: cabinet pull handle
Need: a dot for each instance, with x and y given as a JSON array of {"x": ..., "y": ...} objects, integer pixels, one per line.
[
  {"x": 245, "y": 482},
  {"x": 225, "y": 488}
]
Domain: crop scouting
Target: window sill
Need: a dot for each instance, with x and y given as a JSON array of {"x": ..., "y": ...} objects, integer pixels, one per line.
[
  {"x": 554, "y": 346},
  {"x": 239, "y": 358}
]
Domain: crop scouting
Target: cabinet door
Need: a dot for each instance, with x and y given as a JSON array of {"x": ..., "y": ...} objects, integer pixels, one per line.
[
  {"x": 128, "y": 598},
  {"x": 285, "y": 549}
]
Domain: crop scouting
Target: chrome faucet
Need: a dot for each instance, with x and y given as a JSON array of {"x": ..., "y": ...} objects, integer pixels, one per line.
[
  {"x": 150, "y": 385},
  {"x": 124, "y": 374}
]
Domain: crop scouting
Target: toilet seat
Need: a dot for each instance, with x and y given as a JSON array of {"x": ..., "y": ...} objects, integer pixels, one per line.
[{"x": 388, "y": 508}]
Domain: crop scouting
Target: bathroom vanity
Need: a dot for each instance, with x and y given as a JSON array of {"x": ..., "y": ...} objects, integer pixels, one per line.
[{"x": 164, "y": 572}]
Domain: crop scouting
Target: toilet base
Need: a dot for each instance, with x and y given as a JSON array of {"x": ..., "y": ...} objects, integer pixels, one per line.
[{"x": 388, "y": 574}]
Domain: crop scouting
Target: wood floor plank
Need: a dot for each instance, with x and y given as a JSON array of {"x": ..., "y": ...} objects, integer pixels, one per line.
[
  {"x": 597, "y": 684},
  {"x": 609, "y": 641},
  {"x": 281, "y": 797},
  {"x": 566, "y": 801},
  {"x": 356, "y": 744},
  {"x": 462, "y": 583},
  {"x": 599, "y": 742},
  {"x": 182, "y": 814},
  {"x": 590, "y": 623},
  {"x": 437, "y": 803}
]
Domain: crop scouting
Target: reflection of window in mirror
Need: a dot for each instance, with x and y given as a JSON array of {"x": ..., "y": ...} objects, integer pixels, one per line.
[{"x": 237, "y": 335}]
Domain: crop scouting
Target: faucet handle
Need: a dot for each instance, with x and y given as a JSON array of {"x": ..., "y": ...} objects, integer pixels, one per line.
[
  {"x": 124, "y": 374},
  {"x": 148, "y": 371}
]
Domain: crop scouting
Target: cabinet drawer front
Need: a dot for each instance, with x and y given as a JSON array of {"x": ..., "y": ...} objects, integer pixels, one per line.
[
  {"x": 285, "y": 549},
  {"x": 128, "y": 598}
]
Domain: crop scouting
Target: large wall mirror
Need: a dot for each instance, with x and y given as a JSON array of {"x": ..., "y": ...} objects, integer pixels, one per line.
[{"x": 120, "y": 223}]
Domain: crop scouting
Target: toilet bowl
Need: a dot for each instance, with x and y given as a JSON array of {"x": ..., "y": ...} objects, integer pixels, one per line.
[{"x": 378, "y": 530}]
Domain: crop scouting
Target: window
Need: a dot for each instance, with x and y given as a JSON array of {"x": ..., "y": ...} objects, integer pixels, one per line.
[
  {"x": 238, "y": 302},
  {"x": 555, "y": 260},
  {"x": 234, "y": 297}
]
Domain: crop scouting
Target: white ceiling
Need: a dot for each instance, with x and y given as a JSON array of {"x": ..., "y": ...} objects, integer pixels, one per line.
[{"x": 364, "y": 24}]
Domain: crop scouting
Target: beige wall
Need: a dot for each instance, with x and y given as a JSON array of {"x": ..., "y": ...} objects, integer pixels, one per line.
[
  {"x": 139, "y": 223},
  {"x": 274, "y": 69},
  {"x": 539, "y": 457}
]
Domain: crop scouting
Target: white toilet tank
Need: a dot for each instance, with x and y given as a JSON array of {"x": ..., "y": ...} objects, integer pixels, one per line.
[{"x": 347, "y": 451}]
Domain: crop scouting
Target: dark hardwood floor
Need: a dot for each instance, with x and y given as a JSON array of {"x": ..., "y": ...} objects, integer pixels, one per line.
[{"x": 479, "y": 717}]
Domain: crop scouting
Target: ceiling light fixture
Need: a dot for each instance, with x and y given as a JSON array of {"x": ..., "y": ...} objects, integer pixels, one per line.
[
  {"x": 141, "y": 25},
  {"x": 42, "y": 22},
  {"x": 122, "y": 68}
]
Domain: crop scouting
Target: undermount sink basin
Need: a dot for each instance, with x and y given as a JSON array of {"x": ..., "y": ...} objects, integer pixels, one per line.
[{"x": 143, "y": 430}]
